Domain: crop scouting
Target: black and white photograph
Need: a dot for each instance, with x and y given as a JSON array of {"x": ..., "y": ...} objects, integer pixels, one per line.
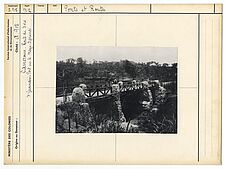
[{"x": 103, "y": 89}]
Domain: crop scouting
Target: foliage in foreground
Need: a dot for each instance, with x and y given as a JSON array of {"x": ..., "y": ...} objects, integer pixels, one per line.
[{"x": 162, "y": 118}]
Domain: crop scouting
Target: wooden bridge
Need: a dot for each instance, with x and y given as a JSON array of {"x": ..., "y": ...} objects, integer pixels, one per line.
[
  {"x": 101, "y": 91},
  {"x": 93, "y": 93}
]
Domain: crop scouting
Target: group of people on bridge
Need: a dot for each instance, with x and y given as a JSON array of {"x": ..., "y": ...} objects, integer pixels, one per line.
[
  {"x": 78, "y": 93},
  {"x": 127, "y": 99}
]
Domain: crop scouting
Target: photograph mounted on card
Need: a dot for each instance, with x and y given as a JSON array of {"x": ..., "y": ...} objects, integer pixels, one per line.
[{"x": 113, "y": 84}]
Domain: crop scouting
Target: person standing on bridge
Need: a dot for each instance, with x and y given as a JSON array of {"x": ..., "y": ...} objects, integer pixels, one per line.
[
  {"x": 82, "y": 115},
  {"x": 147, "y": 96},
  {"x": 115, "y": 86},
  {"x": 120, "y": 83},
  {"x": 116, "y": 93},
  {"x": 78, "y": 95},
  {"x": 83, "y": 86},
  {"x": 153, "y": 87}
]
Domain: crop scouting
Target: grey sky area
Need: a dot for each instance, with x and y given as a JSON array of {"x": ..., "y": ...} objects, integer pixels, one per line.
[{"x": 136, "y": 54}]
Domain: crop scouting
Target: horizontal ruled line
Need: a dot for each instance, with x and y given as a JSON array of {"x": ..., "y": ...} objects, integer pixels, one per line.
[{"x": 153, "y": 13}]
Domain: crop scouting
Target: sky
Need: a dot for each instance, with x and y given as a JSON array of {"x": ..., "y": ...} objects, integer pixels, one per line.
[{"x": 136, "y": 54}]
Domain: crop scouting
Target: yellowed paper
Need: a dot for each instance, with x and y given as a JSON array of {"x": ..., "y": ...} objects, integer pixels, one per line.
[{"x": 39, "y": 35}]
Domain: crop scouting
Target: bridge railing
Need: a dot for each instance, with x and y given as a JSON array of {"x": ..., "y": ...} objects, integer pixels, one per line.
[
  {"x": 127, "y": 87},
  {"x": 97, "y": 90},
  {"x": 89, "y": 92}
]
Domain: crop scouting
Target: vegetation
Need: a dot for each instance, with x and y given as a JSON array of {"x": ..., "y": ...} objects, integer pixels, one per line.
[
  {"x": 72, "y": 72},
  {"x": 102, "y": 115}
]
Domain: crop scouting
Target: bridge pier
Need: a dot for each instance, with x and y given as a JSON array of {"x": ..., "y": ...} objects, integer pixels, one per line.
[{"x": 116, "y": 94}]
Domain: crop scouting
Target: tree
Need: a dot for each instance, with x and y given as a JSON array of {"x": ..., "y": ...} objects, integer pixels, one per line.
[
  {"x": 165, "y": 65},
  {"x": 174, "y": 65},
  {"x": 80, "y": 62},
  {"x": 130, "y": 68},
  {"x": 70, "y": 60}
]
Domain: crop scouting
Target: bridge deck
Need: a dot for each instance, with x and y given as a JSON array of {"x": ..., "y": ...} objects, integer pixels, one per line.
[{"x": 100, "y": 93}]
